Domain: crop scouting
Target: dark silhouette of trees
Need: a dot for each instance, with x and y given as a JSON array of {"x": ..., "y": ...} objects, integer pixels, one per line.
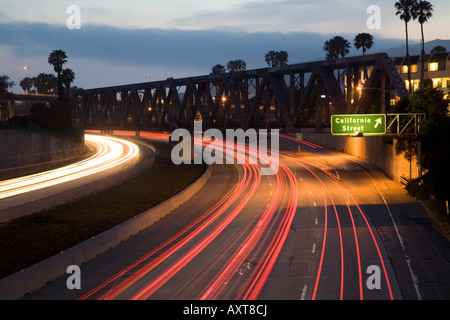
[
  {"x": 5, "y": 85},
  {"x": 336, "y": 47},
  {"x": 438, "y": 49},
  {"x": 25, "y": 84},
  {"x": 276, "y": 58},
  {"x": 218, "y": 69},
  {"x": 364, "y": 41},
  {"x": 57, "y": 59},
  {"x": 45, "y": 83},
  {"x": 435, "y": 143},
  {"x": 61, "y": 108},
  {"x": 236, "y": 65},
  {"x": 67, "y": 77}
]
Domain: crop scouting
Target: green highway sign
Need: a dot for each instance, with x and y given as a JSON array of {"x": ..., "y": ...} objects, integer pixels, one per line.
[{"x": 358, "y": 124}]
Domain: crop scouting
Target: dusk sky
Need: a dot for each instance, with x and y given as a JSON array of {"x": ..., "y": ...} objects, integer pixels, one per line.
[{"x": 122, "y": 42}]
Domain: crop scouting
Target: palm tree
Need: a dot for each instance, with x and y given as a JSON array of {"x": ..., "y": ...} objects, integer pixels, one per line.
[
  {"x": 236, "y": 65},
  {"x": 25, "y": 84},
  {"x": 276, "y": 58},
  {"x": 57, "y": 59},
  {"x": 405, "y": 9},
  {"x": 67, "y": 77},
  {"x": 336, "y": 47},
  {"x": 364, "y": 41},
  {"x": 331, "y": 52},
  {"x": 422, "y": 12},
  {"x": 45, "y": 83},
  {"x": 218, "y": 69}
]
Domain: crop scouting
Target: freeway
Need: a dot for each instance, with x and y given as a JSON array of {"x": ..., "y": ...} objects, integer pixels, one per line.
[
  {"x": 321, "y": 228},
  {"x": 107, "y": 156}
]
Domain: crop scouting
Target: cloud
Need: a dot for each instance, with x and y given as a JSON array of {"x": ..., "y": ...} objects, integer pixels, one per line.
[
  {"x": 176, "y": 51},
  {"x": 323, "y": 17}
]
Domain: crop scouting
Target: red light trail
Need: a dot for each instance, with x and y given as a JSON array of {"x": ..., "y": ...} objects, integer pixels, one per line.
[{"x": 260, "y": 238}]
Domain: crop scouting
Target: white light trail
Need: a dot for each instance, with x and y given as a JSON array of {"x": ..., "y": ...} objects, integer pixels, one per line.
[{"x": 111, "y": 152}]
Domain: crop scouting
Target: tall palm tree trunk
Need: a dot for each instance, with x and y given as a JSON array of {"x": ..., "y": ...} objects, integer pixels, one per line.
[
  {"x": 61, "y": 95},
  {"x": 408, "y": 60},
  {"x": 422, "y": 56}
]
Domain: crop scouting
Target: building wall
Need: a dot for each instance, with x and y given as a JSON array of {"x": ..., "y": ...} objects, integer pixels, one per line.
[
  {"x": 25, "y": 152},
  {"x": 438, "y": 72},
  {"x": 371, "y": 149}
]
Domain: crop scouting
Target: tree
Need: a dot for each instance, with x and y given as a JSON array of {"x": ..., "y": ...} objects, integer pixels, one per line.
[
  {"x": 429, "y": 101},
  {"x": 45, "y": 83},
  {"x": 218, "y": 69},
  {"x": 435, "y": 142},
  {"x": 276, "y": 58},
  {"x": 57, "y": 59},
  {"x": 236, "y": 65},
  {"x": 336, "y": 47},
  {"x": 67, "y": 77},
  {"x": 423, "y": 12},
  {"x": 405, "y": 10},
  {"x": 364, "y": 41},
  {"x": 438, "y": 49},
  {"x": 25, "y": 84},
  {"x": 5, "y": 85}
]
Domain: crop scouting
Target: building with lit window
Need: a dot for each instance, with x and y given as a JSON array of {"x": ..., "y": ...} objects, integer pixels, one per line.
[{"x": 436, "y": 71}]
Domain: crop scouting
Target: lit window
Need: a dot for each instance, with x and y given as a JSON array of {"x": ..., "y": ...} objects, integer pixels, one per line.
[
  {"x": 437, "y": 83},
  {"x": 405, "y": 69},
  {"x": 433, "y": 66},
  {"x": 414, "y": 68}
]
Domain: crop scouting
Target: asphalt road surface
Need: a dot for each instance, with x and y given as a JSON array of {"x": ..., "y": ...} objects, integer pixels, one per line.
[{"x": 325, "y": 227}]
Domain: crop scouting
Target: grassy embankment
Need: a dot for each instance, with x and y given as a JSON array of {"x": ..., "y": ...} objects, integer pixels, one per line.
[{"x": 33, "y": 238}]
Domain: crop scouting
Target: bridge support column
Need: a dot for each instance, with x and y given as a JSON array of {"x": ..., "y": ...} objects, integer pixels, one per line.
[
  {"x": 10, "y": 109},
  {"x": 349, "y": 83}
]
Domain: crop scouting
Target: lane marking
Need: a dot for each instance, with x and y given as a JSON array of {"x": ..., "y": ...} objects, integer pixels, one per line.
[
  {"x": 400, "y": 238},
  {"x": 314, "y": 248},
  {"x": 304, "y": 292}
]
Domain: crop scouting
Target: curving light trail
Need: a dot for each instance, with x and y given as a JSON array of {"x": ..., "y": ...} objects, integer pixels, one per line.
[
  {"x": 110, "y": 152},
  {"x": 260, "y": 237},
  {"x": 347, "y": 196}
]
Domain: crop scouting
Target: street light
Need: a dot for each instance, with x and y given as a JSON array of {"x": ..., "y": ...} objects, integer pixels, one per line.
[{"x": 29, "y": 78}]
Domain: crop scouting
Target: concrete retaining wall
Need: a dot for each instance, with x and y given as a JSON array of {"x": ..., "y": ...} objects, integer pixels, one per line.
[
  {"x": 25, "y": 152},
  {"x": 371, "y": 149},
  {"x": 77, "y": 192},
  {"x": 17, "y": 285}
]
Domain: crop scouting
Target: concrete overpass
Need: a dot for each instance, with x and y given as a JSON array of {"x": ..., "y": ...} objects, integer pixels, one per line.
[{"x": 8, "y": 102}]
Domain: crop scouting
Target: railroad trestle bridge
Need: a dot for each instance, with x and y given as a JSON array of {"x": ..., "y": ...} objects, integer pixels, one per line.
[{"x": 287, "y": 97}]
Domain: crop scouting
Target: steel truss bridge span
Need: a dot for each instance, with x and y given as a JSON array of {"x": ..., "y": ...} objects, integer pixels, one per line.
[{"x": 297, "y": 95}]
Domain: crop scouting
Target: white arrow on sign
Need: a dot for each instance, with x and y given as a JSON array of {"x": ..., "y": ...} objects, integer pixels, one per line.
[{"x": 377, "y": 122}]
